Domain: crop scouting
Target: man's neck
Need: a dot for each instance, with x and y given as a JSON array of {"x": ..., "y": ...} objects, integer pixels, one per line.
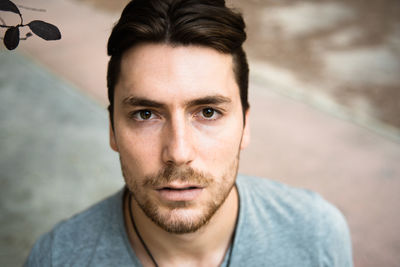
[{"x": 205, "y": 247}]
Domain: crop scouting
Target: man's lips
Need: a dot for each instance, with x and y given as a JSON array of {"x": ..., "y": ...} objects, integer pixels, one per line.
[
  {"x": 179, "y": 192},
  {"x": 177, "y": 186}
]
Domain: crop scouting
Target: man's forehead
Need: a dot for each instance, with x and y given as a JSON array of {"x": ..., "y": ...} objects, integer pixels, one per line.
[
  {"x": 156, "y": 49},
  {"x": 162, "y": 73},
  {"x": 166, "y": 59}
]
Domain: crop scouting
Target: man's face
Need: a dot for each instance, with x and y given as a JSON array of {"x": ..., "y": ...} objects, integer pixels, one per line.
[{"x": 178, "y": 127}]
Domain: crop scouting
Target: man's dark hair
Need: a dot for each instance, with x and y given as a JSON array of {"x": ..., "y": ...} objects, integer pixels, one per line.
[{"x": 206, "y": 23}]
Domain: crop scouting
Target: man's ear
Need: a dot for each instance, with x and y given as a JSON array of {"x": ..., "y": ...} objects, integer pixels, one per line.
[
  {"x": 113, "y": 143},
  {"x": 246, "y": 131}
]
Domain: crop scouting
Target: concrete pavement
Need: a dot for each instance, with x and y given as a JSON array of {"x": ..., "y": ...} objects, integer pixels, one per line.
[{"x": 54, "y": 158}]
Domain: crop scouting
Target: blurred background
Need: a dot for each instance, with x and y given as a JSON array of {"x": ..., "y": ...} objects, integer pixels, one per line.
[{"x": 325, "y": 114}]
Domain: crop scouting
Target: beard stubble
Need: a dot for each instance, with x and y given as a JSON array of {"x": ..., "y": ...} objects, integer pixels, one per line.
[{"x": 176, "y": 217}]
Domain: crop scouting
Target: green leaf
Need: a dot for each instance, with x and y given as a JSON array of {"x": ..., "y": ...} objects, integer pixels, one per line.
[
  {"x": 7, "y": 5},
  {"x": 11, "y": 38},
  {"x": 45, "y": 30}
]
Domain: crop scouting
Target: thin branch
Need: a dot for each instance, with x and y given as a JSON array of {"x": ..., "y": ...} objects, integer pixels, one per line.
[
  {"x": 19, "y": 26},
  {"x": 22, "y": 20},
  {"x": 24, "y": 38},
  {"x": 32, "y": 8}
]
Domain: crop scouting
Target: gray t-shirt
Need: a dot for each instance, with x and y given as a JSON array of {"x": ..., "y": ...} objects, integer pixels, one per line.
[{"x": 277, "y": 226}]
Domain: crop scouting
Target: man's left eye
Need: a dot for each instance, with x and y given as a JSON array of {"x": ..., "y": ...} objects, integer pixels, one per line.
[
  {"x": 143, "y": 115},
  {"x": 209, "y": 114}
]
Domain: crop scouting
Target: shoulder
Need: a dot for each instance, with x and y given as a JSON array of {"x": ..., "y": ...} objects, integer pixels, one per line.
[
  {"x": 284, "y": 199},
  {"x": 76, "y": 238},
  {"x": 275, "y": 196},
  {"x": 295, "y": 218}
]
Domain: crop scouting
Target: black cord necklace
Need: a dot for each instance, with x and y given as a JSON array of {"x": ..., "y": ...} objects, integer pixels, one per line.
[
  {"x": 148, "y": 250},
  {"x": 137, "y": 232}
]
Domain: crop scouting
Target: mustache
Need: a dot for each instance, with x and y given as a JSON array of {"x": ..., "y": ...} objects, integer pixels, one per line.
[{"x": 172, "y": 173}]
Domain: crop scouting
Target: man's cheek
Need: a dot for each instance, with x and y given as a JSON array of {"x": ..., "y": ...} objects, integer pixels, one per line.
[{"x": 218, "y": 156}]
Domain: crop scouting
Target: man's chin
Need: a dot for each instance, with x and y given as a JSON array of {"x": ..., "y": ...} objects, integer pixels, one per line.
[{"x": 180, "y": 220}]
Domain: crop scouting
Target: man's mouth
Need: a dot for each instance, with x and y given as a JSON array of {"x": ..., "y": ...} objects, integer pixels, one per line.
[
  {"x": 179, "y": 189},
  {"x": 179, "y": 193}
]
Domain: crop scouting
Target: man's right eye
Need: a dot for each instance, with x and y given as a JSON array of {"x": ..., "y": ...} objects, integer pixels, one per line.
[{"x": 142, "y": 115}]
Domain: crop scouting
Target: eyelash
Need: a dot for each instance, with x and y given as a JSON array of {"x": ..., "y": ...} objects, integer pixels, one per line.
[
  {"x": 134, "y": 115},
  {"x": 216, "y": 113}
]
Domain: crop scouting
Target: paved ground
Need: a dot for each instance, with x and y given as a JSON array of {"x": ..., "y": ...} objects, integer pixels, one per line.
[
  {"x": 55, "y": 160},
  {"x": 348, "y": 51},
  {"x": 54, "y": 156}
]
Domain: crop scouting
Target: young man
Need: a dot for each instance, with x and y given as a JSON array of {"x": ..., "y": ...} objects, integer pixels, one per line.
[{"x": 177, "y": 83}]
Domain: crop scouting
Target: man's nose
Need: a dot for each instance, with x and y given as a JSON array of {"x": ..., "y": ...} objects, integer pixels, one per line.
[{"x": 178, "y": 143}]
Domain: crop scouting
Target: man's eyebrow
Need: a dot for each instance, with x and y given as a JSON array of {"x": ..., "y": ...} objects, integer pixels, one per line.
[
  {"x": 144, "y": 102},
  {"x": 209, "y": 100}
]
